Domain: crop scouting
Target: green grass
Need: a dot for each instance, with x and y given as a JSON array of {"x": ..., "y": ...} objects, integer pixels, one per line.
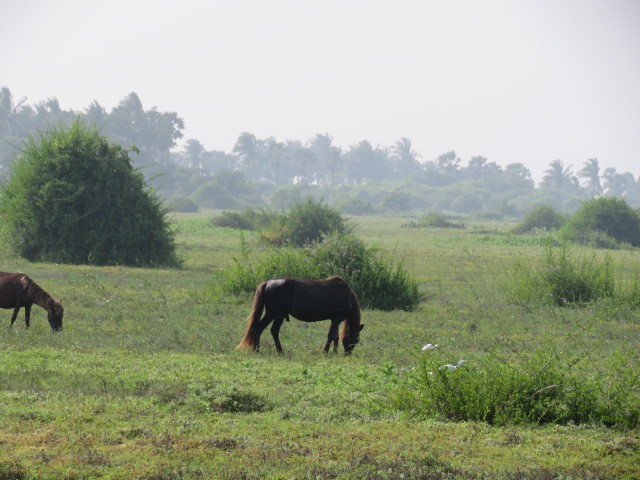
[{"x": 144, "y": 381}]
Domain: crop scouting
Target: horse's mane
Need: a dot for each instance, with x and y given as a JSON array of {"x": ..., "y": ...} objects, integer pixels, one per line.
[
  {"x": 36, "y": 293},
  {"x": 354, "y": 316}
]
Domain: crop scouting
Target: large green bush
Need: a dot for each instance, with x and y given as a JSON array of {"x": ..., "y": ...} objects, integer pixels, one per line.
[
  {"x": 604, "y": 217},
  {"x": 73, "y": 197},
  {"x": 544, "y": 218}
]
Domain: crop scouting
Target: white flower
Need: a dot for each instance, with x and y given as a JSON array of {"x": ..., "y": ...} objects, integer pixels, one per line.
[
  {"x": 449, "y": 367},
  {"x": 461, "y": 362},
  {"x": 429, "y": 346}
]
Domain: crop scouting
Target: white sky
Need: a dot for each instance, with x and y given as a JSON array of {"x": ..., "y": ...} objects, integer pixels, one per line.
[{"x": 514, "y": 81}]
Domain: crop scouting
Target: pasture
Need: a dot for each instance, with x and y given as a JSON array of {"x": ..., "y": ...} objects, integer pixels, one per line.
[{"x": 144, "y": 380}]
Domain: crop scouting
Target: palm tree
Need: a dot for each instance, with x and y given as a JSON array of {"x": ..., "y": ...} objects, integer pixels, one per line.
[
  {"x": 246, "y": 148},
  {"x": 96, "y": 114},
  {"x": 557, "y": 176},
  {"x": 274, "y": 151},
  {"x": 591, "y": 172},
  {"x": 7, "y": 111},
  {"x": 617, "y": 184},
  {"x": 404, "y": 158},
  {"x": 328, "y": 154},
  {"x": 193, "y": 151}
]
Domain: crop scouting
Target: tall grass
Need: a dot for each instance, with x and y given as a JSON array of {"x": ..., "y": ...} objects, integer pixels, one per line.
[{"x": 569, "y": 278}]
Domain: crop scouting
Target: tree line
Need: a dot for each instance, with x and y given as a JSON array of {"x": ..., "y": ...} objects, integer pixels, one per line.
[{"x": 259, "y": 167}]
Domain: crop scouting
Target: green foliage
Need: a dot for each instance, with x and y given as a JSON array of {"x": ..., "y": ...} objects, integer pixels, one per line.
[
  {"x": 216, "y": 398},
  {"x": 248, "y": 219},
  {"x": 606, "y": 216},
  {"x": 378, "y": 281},
  {"x": 566, "y": 278},
  {"x": 183, "y": 205},
  {"x": 73, "y": 197},
  {"x": 543, "y": 390},
  {"x": 542, "y": 218},
  {"x": 305, "y": 223},
  {"x": 355, "y": 206},
  {"x": 432, "y": 220},
  {"x": 569, "y": 279}
]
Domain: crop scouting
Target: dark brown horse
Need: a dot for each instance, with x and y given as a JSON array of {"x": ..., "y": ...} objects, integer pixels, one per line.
[
  {"x": 309, "y": 301},
  {"x": 17, "y": 290}
]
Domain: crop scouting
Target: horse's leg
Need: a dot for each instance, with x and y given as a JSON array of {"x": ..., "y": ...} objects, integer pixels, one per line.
[
  {"x": 335, "y": 343},
  {"x": 27, "y": 315},
  {"x": 332, "y": 336},
  {"x": 14, "y": 316},
  {"x": 275, "y": 332},
  {"x": 262, "y": 324}
]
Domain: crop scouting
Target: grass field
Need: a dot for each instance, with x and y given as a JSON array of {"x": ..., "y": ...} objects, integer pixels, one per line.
[{"x": 144, "y": 381}]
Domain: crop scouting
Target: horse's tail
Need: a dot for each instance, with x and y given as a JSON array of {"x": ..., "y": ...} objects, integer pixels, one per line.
[{"x": 250, "y": 338}]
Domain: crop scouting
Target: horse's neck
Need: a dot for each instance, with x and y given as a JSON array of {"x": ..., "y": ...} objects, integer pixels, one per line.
[{"x": 42, "y": 298}]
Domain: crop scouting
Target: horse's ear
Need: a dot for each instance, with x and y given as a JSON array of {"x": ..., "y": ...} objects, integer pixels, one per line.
[{"x": 361, "y": 326}]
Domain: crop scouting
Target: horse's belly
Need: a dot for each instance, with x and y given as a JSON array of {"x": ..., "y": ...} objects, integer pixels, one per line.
[{"x": 315, "y": 315}]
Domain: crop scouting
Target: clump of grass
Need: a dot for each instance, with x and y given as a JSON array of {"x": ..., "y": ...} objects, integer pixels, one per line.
[
  {"x": 378, "y": 281},
  {"x": 566, "y": 278},
  {"x": 432, "y": 220},
  {"x": 542, "y": 391},
  {"x": 215, "y": 398}
]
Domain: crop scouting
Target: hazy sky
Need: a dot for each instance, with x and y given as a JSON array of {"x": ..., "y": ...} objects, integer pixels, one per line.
[{"x": 514, "y": 81}]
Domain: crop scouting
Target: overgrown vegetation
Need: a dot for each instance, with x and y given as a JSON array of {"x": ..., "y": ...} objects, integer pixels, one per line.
[{"x": 73, "y": 197}]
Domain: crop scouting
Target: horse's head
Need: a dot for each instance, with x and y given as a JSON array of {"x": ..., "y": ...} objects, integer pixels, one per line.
[
  {"x": 56, "y": 313},
  {"x": 351, "y": 339}
]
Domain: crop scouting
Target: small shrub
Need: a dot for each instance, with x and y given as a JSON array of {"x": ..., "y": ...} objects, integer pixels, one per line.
[
  {"x": 305, "y": 223},
  {"x": 542, "y": 218},
  {"x": 606, "y": 215}
]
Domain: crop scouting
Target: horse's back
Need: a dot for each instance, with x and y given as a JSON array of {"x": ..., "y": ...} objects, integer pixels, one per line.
[
  {"x": 310, "y": 300},
  {"x": 11, "y": 287}
]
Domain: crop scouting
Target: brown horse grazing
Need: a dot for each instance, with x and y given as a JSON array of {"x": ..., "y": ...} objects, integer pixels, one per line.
[
  {"x": 17, "y": 290},
  {"x": 309, "y": 301}
]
